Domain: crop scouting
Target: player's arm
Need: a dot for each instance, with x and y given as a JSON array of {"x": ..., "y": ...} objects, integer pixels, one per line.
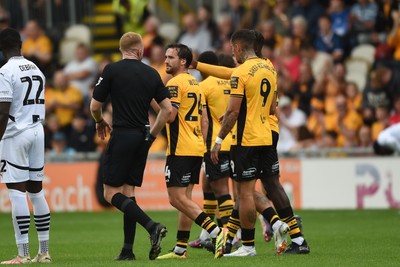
[
  {"x": 162, "y": 117},
  {"x": 204, "y": 124},
  {"x": 230, "y": 116},
  {"x": 272, "y": 110},
  {"x": 154, "y": 105},
  {"x": 214, "y": 70},
  {"x": 4, "y": 112}
]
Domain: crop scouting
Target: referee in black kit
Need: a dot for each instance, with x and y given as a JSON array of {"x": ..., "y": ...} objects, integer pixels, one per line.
[{"x": 132, "y": 85}]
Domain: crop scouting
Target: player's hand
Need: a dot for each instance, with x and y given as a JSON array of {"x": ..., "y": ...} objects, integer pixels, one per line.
[
  {"x": 214, "y": 153},
  {"x": 101, "y": 128}
]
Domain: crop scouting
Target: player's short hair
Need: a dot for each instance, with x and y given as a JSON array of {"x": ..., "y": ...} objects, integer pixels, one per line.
[
  {"x": 245, "y": 37},
  {"x": 184, "y": 52},
  {"x": 382, "y": 150},
  {"x": 258, "y": 43},
  {"x": 10, "y": 39},
  {"x": 130, "y": 41},
  {"x": 208, "y": 57}
]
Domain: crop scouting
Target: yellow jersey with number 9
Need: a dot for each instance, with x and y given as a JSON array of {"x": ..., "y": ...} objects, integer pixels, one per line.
[
  {"x": 184, "y": 133},
  {"x": 255, "y": 82}
]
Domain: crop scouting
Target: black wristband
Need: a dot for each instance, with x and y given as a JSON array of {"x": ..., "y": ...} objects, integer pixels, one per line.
[{"x": 100, "y": 121}]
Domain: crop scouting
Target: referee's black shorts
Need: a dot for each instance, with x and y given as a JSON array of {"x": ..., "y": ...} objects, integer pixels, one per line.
[{"x": 125, "y": 157}]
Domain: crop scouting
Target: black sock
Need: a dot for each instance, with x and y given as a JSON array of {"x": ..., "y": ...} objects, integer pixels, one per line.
[
  {"x": 270, "y": 215},
  {"x": 133, "y": 211},
  {"x": 129, "y": 232}
]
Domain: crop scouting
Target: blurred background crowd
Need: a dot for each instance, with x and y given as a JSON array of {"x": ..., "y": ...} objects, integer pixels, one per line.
[{"x": 337, "y": 61}]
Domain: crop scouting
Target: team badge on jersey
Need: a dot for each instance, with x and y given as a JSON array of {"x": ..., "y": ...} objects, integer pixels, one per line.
[{"x": 234, "y": 82}]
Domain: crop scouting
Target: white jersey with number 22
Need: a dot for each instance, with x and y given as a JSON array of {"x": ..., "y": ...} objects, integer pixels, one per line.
[{"x": 22, "y": 83}]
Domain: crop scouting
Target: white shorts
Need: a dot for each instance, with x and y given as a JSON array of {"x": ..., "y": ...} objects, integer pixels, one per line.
[{"x": 22, "y": 156}]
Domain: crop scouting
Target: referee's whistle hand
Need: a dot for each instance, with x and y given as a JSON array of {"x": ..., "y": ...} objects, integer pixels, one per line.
[
  {"x": 214, "y": 153},
  {"x": 102, "y": 128}
]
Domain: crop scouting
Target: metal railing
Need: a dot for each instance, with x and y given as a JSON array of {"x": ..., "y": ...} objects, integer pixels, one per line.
[
  {"x": 51, "y": 14},
  {"x": 303, "y": 153}
]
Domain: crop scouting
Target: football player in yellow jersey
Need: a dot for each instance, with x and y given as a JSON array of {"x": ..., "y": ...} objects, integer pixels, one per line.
[
  {"x": 185, "y": 150},
  {"x": 215, "y": 185},
  {"x": 276, "y": 192},
  {"x": 252, "y": 99}
]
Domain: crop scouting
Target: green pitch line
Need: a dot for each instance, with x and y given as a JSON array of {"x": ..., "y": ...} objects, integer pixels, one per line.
[{"x": 336, "y": 238}]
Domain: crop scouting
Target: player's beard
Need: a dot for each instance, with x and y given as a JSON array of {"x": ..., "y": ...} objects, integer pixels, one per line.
[{"x": 169, "y": 69}]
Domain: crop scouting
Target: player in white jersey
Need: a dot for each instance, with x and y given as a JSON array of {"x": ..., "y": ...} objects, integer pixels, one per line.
[
  {"x": 22, "y": 111},
  {"x": 388, "y": 141}
]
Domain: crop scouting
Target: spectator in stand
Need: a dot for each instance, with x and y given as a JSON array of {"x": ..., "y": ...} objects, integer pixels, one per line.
[
  {"x": 382, "y": 121},
  {"x": 302, "y": 92},
  {"x": 311, "y": 10},
  {"x": 375, "y": 93},
  {"x": 327, "y": 41},
  {"x": 393, "y": 38},
  {"x": 51, "y": 126},
  {"x": 339, "y": 15},
  {"x": 207, "y": 22},
  {"x": 60, "y": 149},
  {"x": 282, "y": 12},
  {"x": 151, "y": 25},
  {"x": 365, "y": 136},
  {"x": 384, "y": 21},
  {"x": 267, "y": 30},
  {"x": 257, "y": 11},
  {"x": 316, "y": 120},
  {"x": 225, "y": 31},
  {"x": 63, "y": 99},
  {"x": 368, "y": 115},
  {"x": 328, "y": 140},
  {"x": 81, "y": 136},
  {"x": 362, "y": 21},
  {"x": 37, "y": 47},
  {"x": 333, "y": 84},
  {"x": 236, "y": 10},
  {"x": 82, "y": 70},
  {"x": 344, "y": 122},
  {"x": 157, "y": 59},
  {"x": 321, "y": 62},
  {"x": 290, "y": 119},
  {"x": 354, "y": 97},
  {"x": 195, "y": 37},
  {"x": 395, "y": 115},
  {"x": 288, "y": 60},
  {"x": 299, "y": 31}
]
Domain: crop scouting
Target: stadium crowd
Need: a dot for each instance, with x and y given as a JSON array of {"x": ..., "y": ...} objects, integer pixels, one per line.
[{"x": 329, "y": 95}]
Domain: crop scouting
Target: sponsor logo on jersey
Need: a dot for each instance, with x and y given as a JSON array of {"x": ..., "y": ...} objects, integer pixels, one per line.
[
  {"x": 234, "y": 82},
  {"x": 173, "y": 91}
]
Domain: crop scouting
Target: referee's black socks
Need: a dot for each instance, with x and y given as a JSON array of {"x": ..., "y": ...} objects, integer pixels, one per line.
[{"x": 133, "y": 211}]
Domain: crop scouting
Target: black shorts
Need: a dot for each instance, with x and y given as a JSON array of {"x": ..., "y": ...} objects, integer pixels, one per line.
[
  {"x": 220, "y": 170},
  {"x": 125, "y": 158},
  {"x": 254, "y": 162},
  {"x": 275, "y": 138},
  {"x": 181, "y": 171}
]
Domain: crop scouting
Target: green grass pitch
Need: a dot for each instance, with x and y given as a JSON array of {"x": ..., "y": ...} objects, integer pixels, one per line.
[{"x": 337, "y": 238}]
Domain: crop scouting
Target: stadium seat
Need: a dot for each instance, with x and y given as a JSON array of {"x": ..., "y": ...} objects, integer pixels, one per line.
[
  {"x": 67, "y": 50},
  {"x": 365, "y": 52},
  {"x": 79, "y": 32},
  {"x": 169, "y": 31},
  {"x": 357, "y": 71}
]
